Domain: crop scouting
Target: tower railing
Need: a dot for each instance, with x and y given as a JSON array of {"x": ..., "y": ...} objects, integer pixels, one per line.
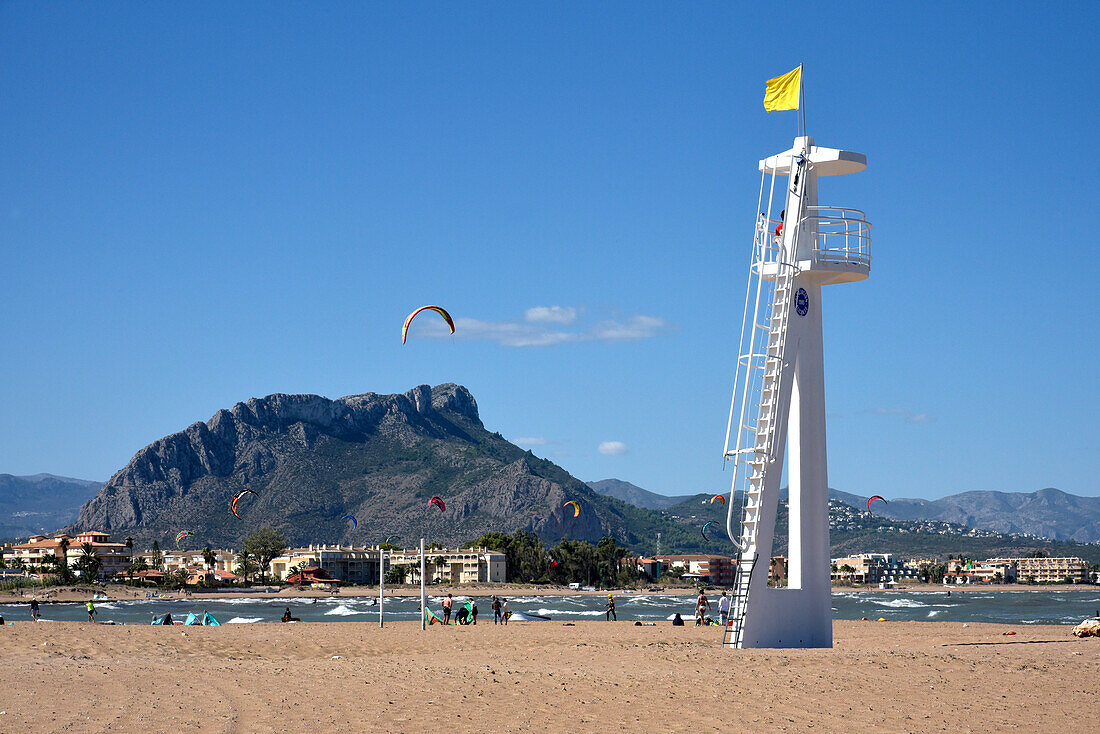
[{"x": 843, "y": 235}]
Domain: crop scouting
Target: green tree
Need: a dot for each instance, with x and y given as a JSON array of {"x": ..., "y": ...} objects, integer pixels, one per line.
[
  {"x": 136, "y": 566},
  {"x": 439, "y": 562},
  {"x": 577, "y": 561},
  {"x": 264, "y": 545},
  {"x": 210, "y": 557},
  {"x": 525, "y": 556},
  {"x": 936, "y": 572},
  {"x": 64, "y": 572},
  {"x": 612, "y": 571},
  {"x": 88, "y": 563},
  {"x": 397, "y": 574},
  {"x": 176, "y": 579},
  {"x": 157, "y": 559},
  {"x": 245, "y": 565}
]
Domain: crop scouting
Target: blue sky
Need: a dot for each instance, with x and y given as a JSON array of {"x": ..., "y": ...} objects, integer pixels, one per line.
[{"x": 200, "y": 204}]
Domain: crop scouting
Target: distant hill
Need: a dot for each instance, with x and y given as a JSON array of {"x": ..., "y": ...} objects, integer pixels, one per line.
[
  {"x": 854, "y": 530},
  {"x": 40, "y": 503},
  {"x": 635, "y": 495},
  {"x": 312, "y": 460},
  {"x": 1049, "y": 513}
]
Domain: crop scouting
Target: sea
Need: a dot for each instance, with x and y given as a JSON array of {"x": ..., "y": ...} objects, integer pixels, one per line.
[{"x": 1007, "y": 607}]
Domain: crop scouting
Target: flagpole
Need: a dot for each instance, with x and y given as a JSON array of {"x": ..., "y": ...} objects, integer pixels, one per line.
[{"x": 802, "y": 97}]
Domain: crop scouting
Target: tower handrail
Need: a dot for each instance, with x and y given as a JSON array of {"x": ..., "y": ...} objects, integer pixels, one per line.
[{"x": 842, "y": 234}]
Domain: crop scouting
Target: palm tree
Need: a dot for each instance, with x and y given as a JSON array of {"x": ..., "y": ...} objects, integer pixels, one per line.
[
  {"x": 210, "y": 557},
  {"x": 439, "y": 562},
  {"x": 63, "y": 559},
  {"x": 245, "y": 564},
  {"x": 136, "y": 566},
  {"x": 88, "y": 563}
]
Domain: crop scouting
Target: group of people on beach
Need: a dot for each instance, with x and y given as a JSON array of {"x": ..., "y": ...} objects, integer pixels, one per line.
[
  {"x": 703, "y": 605},
  {"x": 501, "y": 612}
]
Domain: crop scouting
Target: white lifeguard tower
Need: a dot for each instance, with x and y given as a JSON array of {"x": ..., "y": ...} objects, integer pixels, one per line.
[{"x": 779, "y": 398}]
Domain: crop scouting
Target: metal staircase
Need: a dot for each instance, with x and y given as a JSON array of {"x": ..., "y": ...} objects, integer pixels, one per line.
[{"x": 756, "y": 409}]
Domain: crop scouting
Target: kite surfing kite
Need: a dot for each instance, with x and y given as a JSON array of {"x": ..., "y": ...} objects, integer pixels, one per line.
[
  {"x": 354, "y": 522},
  {"x": 438, "y": 503},
  {"x": 718, "y": 498},
  {"x": 876, "y": 497},
  {"x": 576, "y": 508},
  {"x": 180, "y": 536},
  {"x": 233, "y": 504},
  {"x": 704, "y": 529},
  {"x": 439, "y": 310},
  {"x": 552, "y": 564}
]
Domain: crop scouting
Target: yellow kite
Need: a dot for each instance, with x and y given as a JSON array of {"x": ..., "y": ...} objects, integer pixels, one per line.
[
  {"x": 782, "y": 92},
  {"x": 441, "y": 311}
]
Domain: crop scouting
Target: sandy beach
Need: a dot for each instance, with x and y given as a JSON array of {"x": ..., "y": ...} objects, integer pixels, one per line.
[{"x": 592, "y": 676}]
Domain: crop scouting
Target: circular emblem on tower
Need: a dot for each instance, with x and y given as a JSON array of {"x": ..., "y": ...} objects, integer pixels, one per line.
[{"x": 801, "y": 301}]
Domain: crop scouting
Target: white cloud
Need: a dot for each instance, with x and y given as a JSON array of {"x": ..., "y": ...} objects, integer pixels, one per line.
[
  {"x": 613, "y": 448},
  {"x": 632, "y": 329},
  {"x": 551, "y": 314},
  {"x": 544, "y": 326},
  {"x": 530, "y": 441}
]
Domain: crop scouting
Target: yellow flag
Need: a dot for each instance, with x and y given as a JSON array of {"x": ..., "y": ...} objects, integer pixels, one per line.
[{"x": 782, "y": 92}]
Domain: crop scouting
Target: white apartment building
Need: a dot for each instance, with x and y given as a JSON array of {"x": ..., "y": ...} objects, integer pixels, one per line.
[{"x": 459, "y": 566}]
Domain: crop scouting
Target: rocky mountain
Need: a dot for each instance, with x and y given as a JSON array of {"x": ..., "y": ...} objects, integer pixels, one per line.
[
  {"x": 312, "y": 460},
  {"x": 635, "y": 495},
  {"x": 40, "y": 503}
]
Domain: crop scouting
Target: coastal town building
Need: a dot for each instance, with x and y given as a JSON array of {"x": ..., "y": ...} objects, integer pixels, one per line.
[
  {"x": 459, "y": 566},
  {"x": 709, "y": 569},
  {"x": 113, "y": 557},
  {"x": 873, "y": 568},
  {"x": 1048, "y": 570},
  {"x": 346, "y": 563},
  {"x": 309, "y": 575},
  {"x": 651, "y": 567},
  {"x": 967, "y": 571},
  {"x": 173, "y": 560}
]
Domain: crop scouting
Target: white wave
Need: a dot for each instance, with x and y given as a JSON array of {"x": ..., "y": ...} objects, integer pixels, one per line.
[
  {"x": 106, "y": 605},
  {"x": 245, "y": 620},
  {"x": 898, "y": 603},
  {"x": 584, "y": 613},
  {"x": 242, "y": 600},
  {"x": 934, "y": 612},
  {"x": 344, "y": 611}
]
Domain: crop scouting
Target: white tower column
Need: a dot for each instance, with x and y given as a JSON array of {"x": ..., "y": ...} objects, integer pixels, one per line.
[{"x": 779, "y": 403}]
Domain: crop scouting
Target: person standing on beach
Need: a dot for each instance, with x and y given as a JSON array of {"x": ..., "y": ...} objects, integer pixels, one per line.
[
  {"x": 505, "y": 612},
  {"x": 34, "y": 609},
  {"x": 91, "y": 611},
  {"x": 496, "y": 610},
  {"x": 447, "y": 604},
  {"x": 610, "y": 609},
  {"x": 701, "y": 607},
  {"x": 724, "y": 608},
  {"x": 473, "y": 609}
]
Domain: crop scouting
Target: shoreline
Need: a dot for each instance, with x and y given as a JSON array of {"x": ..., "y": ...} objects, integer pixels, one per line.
[{"x": 67, "y": 595}]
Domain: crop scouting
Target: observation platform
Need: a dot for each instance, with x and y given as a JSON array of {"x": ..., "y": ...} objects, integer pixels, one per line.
[{"x": 840, "y": 250}]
